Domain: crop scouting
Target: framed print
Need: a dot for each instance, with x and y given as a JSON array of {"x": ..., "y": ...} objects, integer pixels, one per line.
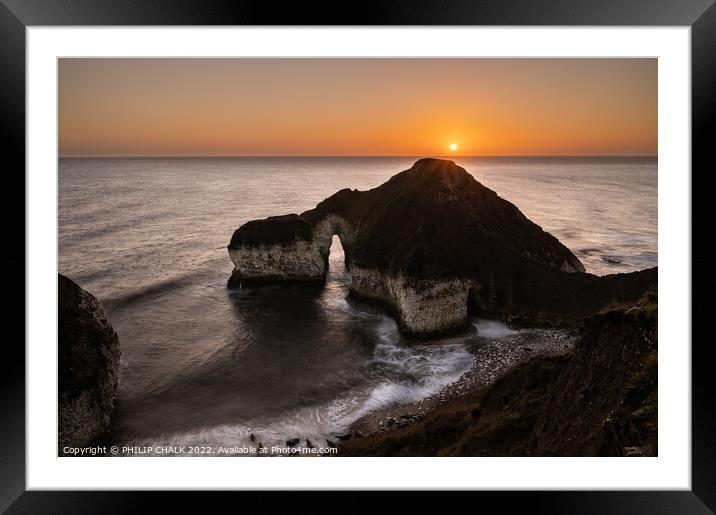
[{"x": 413, "y": 250}]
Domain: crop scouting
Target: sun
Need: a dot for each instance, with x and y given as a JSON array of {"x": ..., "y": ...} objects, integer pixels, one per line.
[{"x": 453, "y": 147}]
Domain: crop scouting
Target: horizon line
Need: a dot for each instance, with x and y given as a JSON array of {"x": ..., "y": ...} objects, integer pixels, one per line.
[{"x": 148, "y": 156}]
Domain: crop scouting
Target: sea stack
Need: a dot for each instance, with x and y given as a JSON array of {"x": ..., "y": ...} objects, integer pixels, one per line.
[
  {"x": 432, "y": 245},
  {"x": 88, "y": 360}
]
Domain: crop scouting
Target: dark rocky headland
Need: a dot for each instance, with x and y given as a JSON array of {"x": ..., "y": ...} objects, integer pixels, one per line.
[
  {"x": 597, "y": 399},
  {"x": 433, "y": 246},
  {"x": 88, "y": 359}
]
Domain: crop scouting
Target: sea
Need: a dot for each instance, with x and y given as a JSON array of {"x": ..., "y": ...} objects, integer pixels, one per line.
[{"x": 206, "y": 366}]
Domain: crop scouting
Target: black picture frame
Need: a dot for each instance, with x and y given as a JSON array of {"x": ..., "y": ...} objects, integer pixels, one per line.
[{"x": 17, "y": 15}]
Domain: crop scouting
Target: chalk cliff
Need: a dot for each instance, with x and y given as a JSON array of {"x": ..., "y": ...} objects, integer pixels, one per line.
[
  {"x": 88, "y": 359},
  {"x": 432, "y": 245}
]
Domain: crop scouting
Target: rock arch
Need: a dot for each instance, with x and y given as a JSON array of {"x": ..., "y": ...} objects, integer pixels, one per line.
[
  {"x": 286, "y": 248},
  {"x": 323, "y": 232},
  {"x": 427, "y": 244}
]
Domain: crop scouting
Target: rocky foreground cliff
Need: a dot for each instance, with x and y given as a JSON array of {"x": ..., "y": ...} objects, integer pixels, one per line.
[
  {"x": 433, "y": 246},
  {"x": 88, "y": 359},
  {"x": 598, "y": 399}
]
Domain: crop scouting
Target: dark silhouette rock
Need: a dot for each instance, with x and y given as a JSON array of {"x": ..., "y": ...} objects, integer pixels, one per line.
[
  {"x": 293, "y": 442},
  {"x": 432, "y": 245},
  {"x": 281, "y": 230},
  {"x": 432, "y": 221},
  {"x": 88, "y": 359}
]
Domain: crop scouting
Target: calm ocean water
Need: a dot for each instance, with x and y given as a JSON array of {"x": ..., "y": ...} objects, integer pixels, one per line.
[{"x": 203, "y": 365}]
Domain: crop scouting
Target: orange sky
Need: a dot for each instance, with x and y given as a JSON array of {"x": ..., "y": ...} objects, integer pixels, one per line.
[{"x": 357, "y": 106}]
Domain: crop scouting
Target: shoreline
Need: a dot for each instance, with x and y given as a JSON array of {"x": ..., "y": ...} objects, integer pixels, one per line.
[{"x": 492, "y": 356}]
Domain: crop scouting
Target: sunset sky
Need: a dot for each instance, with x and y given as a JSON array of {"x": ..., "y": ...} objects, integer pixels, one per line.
[{"x": 409, "y": 107}]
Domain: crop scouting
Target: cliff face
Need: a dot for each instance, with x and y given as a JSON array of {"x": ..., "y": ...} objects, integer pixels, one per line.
[
  {"x": 277, "y": 248},
  {"x": 431, "y": 244},
  {"x": 600, "y": 399},
  {"x": 88, "y": 359},
  {"x": 608, "y": 392}
]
